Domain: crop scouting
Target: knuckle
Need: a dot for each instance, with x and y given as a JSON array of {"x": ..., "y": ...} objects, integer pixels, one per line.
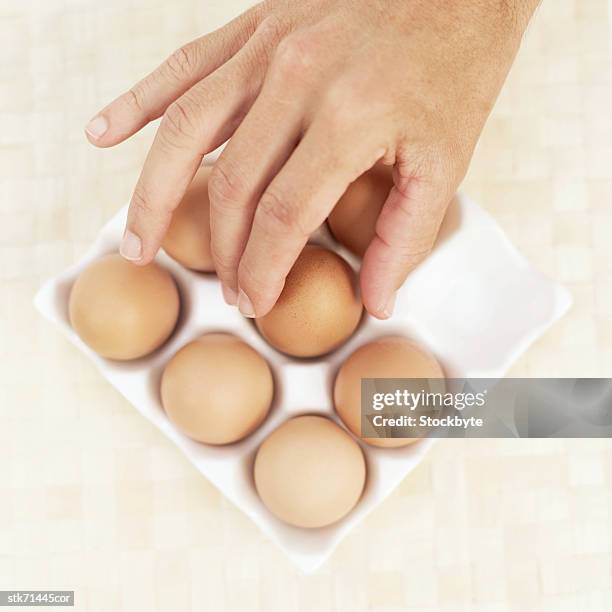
[
  {"x": 256, "y": 55},
  {"x": 141, "y": 203},
  {"x": 437, "y": 163},
  {"x": 295, "y": 55},
  {"x": 439, "y": 167},
  {"x": 411, "y": 255},
  {"x": 435, "y": 193},
  {"x": 178, "y": 123},
  {"x": 271, "y": 28},
  {"x": 226, "y": 263},
  {"x": 250, "y": 19},
  {"x": 278, "y": 214},
  {"x": 253, "y": 283},
  {"x": 183, "y": 62},
  {"x": 408, "y": 254},
  {"x": 224, "y": 186},
  {"x": 134, "y": 99}
]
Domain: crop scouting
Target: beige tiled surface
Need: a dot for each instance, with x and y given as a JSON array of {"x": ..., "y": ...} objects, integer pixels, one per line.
[{"x": 92, "y": 498}]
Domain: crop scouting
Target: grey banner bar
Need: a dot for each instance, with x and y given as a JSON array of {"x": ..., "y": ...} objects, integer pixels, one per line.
[
  {"x": 486, "y": 408},
  {"x": 36, "y": 598}
]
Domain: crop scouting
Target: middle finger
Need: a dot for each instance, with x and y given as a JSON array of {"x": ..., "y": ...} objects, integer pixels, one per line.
[{"x": 254, "y": 155}]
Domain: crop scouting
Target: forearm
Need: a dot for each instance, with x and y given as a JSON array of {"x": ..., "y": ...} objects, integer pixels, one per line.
[{"x": 521, "y": 11}]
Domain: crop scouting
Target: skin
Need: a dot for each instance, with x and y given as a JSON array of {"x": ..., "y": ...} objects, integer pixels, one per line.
[{"x": 313, "y": 94}]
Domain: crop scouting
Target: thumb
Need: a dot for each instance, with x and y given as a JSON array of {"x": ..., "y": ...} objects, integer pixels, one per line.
[{"x": 406, "y": 231}]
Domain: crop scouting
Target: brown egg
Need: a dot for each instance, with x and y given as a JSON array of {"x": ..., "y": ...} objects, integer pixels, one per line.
[
  {"x": 389, "y": 357},
  {"x": 123, "y": 311},
  {"x": 188, "y": 237},
  {"x": 309, "y": 472},
  {"x": 353, "y": 220},
  {"x": 217, "y": 389},
  {"x": 318, "y": 309}
]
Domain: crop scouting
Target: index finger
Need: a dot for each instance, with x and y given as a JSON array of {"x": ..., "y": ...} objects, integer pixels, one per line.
[
  {"x": 293, "y": 206},
  {"x": 195, "y": 124},
  {"x": 150, "y": 97}
]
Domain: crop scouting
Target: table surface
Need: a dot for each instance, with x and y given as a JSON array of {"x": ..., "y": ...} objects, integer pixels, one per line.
[{"x": 93, "y": 498}]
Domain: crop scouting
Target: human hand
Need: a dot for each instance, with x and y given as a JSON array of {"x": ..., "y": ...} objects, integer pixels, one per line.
[{"x": 313, "y": 94}]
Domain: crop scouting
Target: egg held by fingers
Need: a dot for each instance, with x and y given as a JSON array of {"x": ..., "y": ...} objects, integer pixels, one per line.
[{"x": 318, "y": 309}]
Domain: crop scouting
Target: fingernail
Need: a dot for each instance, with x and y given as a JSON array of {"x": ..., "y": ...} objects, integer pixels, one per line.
[
  {"x": 244, "y": 305},
  {"x": 131, "y": 246},
  {"x": 388, "y": 309},
  {"x": 229, "y": 295},
  {"x": 97, "y": 127}
]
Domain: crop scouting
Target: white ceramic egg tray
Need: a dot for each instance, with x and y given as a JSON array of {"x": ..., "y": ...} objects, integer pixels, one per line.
[{"x": 476, "y": 303}]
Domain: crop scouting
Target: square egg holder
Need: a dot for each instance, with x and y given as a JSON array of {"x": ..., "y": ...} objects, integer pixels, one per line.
[{"x": 476, "y": 303}]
